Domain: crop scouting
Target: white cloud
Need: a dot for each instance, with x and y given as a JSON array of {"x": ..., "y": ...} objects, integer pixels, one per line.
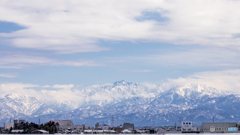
[
  {"x": 8, "y": 75},
  {"x": 18, "y": 88},
  {"x": 201, "y": 57},
  {"x": 60, "y": 93},
  {"x": 228, "y": 80},
  {"x": 139, "y": 71},
  {"x": 20, "y": 61},
  {"x": 68, "y": 87},
  {"x": 76, "y": 26}
]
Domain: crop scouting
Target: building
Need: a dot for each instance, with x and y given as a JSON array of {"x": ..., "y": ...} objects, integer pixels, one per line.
[
  {"x": 128, "y": 126},
  {"x": 119, "y": 129},
  {"x": 1, "y": 129},
  {"x": 87, "y": 127},
  {"x": 77, "y": 128},
  {"x": 219, "y": 127},
  {"x": 97, "y": 125},
  {"x": 106, "y": 127},
  {"x": 7, "y": 126},
  {"x": 187, "y": 127},
  {"x": 67, "y": 126},
  {"x": 16, "y": 121},
  {"x": 238, "y": 126},
  {"x": 64, "y": 124}
]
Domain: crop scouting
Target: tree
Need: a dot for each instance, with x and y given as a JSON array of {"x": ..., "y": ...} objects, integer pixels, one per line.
[{"x": 10, "y": 130}]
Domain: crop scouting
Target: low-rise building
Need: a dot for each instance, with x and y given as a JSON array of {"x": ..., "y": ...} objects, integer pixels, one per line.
[
  {"x": 106, "y": 127},
  {"x": 187, "y": 126},
  {"x": 77, "y": 128},
  {"x": 7, "y": 126},
  {"x": 87, "y": 127},
  {"x": 220, "y": 127},
  {"x": 1, "y": 129},
  {"x": 119, "y": 129},
  {"x": 16, "y": 121},
  {"x": 64, "y": 124},
  {"x": 238, "y": 126},
  {"x": 97, "y": 125},
  {"x": 128, "y": 126}
]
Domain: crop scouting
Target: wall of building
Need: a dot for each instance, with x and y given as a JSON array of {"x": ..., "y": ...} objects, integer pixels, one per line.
[
  {"x": 128, "y": 126},
  {"x": 8, "y": 125},
  {"x": 206, "y": 126},
  {"x": 64, "y": 124}
]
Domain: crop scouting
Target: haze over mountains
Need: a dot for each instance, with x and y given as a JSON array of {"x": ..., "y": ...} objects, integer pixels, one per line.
[{"x": 128, "y": 102}]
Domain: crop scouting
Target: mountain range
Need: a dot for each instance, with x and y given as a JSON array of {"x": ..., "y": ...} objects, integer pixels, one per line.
[{"x": 129, "y": 102}]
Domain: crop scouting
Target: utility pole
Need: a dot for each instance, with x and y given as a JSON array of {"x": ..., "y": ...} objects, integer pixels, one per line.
[
  {"x": 180, "y": 120},
  {"x": 112, "y": 121}
]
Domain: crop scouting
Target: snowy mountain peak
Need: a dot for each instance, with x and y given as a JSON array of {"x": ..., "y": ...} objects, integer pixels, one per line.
[
  {"x": 12, "y": 96},
  {"x": 199, "y": 90},
  {"x": 122, "y": 82},
  {"x": 124, "y": 99}
]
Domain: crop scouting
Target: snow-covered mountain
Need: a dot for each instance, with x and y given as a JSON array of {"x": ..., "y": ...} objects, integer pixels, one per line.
[{"x": 130, "y": 102}]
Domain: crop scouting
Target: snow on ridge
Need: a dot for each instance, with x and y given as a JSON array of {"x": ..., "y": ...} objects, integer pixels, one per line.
[
  {"x": 202, "y": 90},
  {"x": 109, "y": 93}
]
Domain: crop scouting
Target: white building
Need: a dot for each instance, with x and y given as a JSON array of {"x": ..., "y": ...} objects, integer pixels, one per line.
[
  {"x": 106, "y": 127},
  {"x": 187, "y": 126},
  {"x": 8, "y": 126},
  {"x": 78, "y": 128},
  {"x": 67, "y": 126},
  {"x": 87, "y": 127}
]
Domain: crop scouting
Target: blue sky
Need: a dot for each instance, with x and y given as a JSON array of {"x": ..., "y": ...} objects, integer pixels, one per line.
[{"x": 86, "y": 43}]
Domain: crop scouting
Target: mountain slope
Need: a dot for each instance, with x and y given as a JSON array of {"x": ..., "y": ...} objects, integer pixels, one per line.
[{"x": 130, "y": 102}]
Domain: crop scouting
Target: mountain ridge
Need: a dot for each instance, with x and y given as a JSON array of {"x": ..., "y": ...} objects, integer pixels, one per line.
[{"x": 134, "y": 104}]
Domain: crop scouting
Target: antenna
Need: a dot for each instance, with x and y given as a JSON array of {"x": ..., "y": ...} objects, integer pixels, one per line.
[
  {"x": 213, "y": 119},
  {"x": 39, "y": 121},
  {"x": 11, "y": 120},
  {"x": 180, "y": 120},
  {"x": 112, "y": 121}
]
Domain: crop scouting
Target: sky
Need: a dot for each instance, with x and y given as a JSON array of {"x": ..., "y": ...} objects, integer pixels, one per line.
[{"x": 69, "y": 43}]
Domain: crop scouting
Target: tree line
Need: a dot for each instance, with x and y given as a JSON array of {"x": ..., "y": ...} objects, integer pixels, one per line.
[{"x": 28, "y": 128}]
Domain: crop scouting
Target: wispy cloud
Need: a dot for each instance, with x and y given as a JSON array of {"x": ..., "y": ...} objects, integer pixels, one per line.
[
  {"x": 139, "y": 71},
  {"x": 78, "y": 26},
  {"x": 8, "y": 75},
  {"x": 20, "y": 61},
  {"x": 197, "y": 57}
]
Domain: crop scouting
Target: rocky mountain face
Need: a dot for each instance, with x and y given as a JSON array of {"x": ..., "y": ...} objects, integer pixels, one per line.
[{"x": 130, "y": 102}]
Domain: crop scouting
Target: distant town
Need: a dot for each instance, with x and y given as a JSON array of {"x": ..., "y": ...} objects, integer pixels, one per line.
[{"x": 21, "y": 126}]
